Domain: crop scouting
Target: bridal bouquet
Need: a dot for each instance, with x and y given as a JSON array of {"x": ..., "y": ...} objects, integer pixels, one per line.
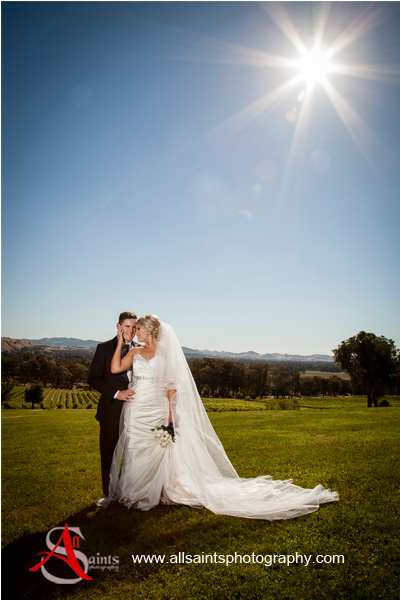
[{"x": 164, "y": 435}]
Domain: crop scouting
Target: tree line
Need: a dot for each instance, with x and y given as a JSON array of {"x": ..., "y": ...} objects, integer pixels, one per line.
[
  {"x": 48, "y": 370},
  {"x": 214, "y": 377},
  {"x": 220, "y": 378},
  {"x": 372, "y": 362}
]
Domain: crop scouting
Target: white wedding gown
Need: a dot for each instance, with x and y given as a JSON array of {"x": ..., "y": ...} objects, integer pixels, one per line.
[{"x": 194, "y": 470}]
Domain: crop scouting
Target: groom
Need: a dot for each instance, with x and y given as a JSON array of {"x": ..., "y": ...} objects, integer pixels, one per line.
[{"x": 113, "y": 390}]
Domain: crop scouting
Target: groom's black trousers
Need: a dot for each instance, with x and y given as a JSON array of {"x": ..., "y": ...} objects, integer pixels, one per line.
[{"x": 109, "y": 435}]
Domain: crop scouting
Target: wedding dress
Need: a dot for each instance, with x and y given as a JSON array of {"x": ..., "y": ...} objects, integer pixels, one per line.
[{"x": 194, "y": 470}]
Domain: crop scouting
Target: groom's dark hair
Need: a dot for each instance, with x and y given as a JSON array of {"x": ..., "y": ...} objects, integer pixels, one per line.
[{"x": 126, "y": 315}]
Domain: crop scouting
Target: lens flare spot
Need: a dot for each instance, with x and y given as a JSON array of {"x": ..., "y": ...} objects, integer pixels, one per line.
[
  {"x": 265, "y": 170},
  {"x": 257, "y": 191},
  {"x": 291, "y": 115},
  {"x": 320, "y": 160},
  {"x": 245, "y": 213}
]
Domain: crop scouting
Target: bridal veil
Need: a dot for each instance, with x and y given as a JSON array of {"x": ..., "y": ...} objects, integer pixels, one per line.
[{"x": 202, "y": 465}]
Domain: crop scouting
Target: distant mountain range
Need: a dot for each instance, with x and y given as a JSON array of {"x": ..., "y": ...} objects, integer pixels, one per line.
[
  {"x": 66, "y": 342},
  {"x": 12, "y": 345},
  {"x": 255, "y": 356},
  {"x": 47, "y": 345}
]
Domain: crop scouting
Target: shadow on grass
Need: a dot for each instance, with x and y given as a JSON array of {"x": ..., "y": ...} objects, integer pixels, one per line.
[{"x": 112, "y": 532}]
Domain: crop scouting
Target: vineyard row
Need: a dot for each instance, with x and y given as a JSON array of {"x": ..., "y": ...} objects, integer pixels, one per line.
[{"x": 54, "y": 398}]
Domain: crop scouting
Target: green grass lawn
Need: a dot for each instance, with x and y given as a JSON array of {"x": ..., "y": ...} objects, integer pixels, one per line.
[{"x": 51, "y": 476}]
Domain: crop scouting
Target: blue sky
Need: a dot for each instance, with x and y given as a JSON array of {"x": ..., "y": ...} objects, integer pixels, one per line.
[{"x": 156, "y": 159}]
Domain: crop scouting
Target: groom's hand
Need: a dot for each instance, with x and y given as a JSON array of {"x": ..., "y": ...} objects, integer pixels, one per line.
[{"x": 125, "y": 395}]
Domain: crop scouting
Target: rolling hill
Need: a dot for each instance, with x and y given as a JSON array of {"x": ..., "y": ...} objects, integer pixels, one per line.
[{"x": 60, "y": 343}]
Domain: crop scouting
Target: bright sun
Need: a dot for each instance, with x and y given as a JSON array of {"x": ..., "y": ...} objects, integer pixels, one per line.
[{"x": 313, "y": 66}]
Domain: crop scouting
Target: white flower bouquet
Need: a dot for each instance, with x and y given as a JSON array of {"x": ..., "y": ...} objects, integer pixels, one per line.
[{"x": 163, "y": 435}]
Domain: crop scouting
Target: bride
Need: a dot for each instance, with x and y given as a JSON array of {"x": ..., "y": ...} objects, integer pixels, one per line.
[{"x": 193, "y": 468}]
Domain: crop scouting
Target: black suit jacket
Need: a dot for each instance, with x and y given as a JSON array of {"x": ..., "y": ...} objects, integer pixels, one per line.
[{"x": 101, "y": 379}]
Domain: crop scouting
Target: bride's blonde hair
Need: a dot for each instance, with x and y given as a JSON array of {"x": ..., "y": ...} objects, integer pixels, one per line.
[{"x": 150, "y": 323}]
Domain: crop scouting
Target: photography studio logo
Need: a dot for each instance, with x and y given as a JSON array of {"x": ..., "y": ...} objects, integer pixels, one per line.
[{"x": 66, "y": 549}]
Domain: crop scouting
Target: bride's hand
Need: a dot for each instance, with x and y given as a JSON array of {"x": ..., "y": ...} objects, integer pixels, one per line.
[{"x": 120, "y": 339}]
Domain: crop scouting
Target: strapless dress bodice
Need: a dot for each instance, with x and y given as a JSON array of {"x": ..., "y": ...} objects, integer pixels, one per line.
[{"x": 142, "y": 368}]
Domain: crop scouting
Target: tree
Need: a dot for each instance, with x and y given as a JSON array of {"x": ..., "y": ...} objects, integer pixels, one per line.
[
  {"x": 34, "y": 394},
  {"x": 9, "y": 367},
  {"x": 61, "y": 376},
  {"x": 6, "y": 390},
  {"x": 295, "y": 384},
  {"x": 281, "y": 380},
  {"x": 46, "y": 366},
  {"x": 29, "y": 370},
  {"x": 307, "y": 386},
  {"x": 335, "y": 385},
  {"x": 257, "y": 379},
  {"x": 371, "y": 362},
  {"x": 79, "y": 374}
]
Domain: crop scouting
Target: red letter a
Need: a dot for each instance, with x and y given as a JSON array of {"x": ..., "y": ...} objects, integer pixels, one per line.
[{"x": 68, "y": 550}]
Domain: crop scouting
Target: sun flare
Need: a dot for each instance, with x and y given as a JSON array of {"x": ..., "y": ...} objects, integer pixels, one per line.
[
  {"x": 317, "y": 66},
  {"x": 313, "y": 66}
]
